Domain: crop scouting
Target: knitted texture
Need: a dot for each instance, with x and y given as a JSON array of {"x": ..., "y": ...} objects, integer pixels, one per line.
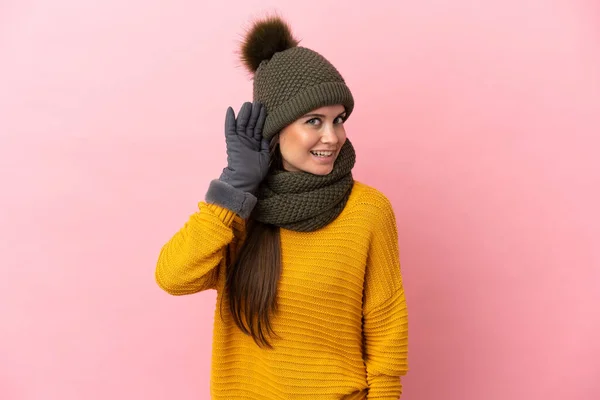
[
  {"x": 342, "y": 319},
  {"x": 304, "y": 202},
  {"x": 294, "y": 82}
]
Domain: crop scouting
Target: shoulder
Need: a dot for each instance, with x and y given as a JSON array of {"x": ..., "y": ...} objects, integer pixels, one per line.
[
  {"x": 370, "y": 201},
  {"x": 369, "y": 195}
]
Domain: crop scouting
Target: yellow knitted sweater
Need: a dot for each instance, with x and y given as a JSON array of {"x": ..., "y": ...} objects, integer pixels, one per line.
[{"x": 342, "y": 319}]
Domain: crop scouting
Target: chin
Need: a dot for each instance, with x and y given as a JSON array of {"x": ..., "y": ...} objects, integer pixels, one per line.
[
  {"x": 320, "y": 170},
  {"x": 309, "y": 167}
]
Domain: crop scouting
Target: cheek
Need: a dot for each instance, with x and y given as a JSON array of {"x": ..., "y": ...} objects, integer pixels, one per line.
[
  {"x": 287, "y": 145},
  {"x": 296, "y": 141},
  {"x": 342, "y": 136}
]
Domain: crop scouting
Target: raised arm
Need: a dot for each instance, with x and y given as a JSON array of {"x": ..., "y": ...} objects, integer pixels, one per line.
[{"x": 188, "y": 262}]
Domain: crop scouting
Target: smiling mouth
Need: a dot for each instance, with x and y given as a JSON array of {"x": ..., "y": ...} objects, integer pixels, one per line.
[{"x": 322, "y": 154}]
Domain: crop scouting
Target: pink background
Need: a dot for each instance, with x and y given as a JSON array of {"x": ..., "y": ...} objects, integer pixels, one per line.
[{"x": 480, "y": 121}]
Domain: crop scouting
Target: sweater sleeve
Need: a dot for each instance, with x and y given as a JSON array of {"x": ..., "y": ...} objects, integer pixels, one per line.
[
  {"x": 385, "y": 316},
  {"x": 188, "y": 262}
]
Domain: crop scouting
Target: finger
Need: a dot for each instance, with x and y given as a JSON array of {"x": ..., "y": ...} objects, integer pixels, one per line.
[
  {"x": 260, "y": 123},
  {"x": 253, "y": 118},
  {"x": 243, "y": 116},
  {"x": 229, "y": 122}
]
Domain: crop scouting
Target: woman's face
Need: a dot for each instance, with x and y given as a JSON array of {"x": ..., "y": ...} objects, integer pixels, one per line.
[{"x": 313, "y": 142}]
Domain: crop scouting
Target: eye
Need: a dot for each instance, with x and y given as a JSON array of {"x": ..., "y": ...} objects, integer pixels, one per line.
[
  {"x": 314, "y": 121},
  {"x": 339, "y": 120}
]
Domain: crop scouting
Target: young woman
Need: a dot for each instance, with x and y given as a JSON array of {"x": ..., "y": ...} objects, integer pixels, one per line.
[{"x": 310, "y": 301}]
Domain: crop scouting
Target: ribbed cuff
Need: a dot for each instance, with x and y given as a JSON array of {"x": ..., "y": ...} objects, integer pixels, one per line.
[
  {"x": 383, "y": 387},
  {"x": 226, "y": 196},
  {"x": 224, "y": 214}
]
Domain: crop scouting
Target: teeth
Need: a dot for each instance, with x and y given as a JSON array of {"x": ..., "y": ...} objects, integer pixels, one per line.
[{"x": 322, "y": 153}]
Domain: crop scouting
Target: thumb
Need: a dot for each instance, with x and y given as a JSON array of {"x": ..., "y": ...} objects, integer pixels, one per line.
[{"x": 265, "y": 146}]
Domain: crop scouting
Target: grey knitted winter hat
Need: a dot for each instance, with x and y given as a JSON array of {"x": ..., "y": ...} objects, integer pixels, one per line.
[{"x": 289, "y": 80}]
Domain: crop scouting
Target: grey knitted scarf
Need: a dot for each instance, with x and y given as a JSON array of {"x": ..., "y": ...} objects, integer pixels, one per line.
[{"x": 303, "y": 202}]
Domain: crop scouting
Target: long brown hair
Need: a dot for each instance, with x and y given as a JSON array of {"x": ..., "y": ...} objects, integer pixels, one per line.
[{"x": 252, "y": 277}]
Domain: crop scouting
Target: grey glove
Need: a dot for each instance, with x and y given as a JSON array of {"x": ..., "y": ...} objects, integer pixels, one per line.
[
  {"x": 247, "y": 161},
  {"x": 247, "y": 151}
]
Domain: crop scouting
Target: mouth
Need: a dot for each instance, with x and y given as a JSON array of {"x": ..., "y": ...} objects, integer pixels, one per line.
[{"x": 323, "y": 154}]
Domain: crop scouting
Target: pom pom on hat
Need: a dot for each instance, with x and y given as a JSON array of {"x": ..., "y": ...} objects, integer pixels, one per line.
[{"x": 266, "y": 37}]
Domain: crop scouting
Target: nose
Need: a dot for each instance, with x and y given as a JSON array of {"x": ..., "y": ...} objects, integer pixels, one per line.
[{"x": 330, "y": 135}]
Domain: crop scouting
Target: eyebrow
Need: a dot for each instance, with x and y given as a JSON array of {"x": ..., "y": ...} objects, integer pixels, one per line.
[{"x": 321, "y": 115}]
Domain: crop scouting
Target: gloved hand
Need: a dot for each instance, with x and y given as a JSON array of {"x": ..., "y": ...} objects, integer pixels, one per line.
[{"x": 247, "y": 151}]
